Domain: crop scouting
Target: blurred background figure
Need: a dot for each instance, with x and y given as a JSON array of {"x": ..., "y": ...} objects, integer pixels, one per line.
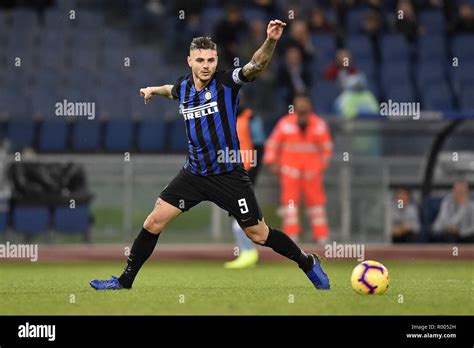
[
  {"x": 294, "y": 74},
  {"x": 405, "y": 21},
  {"x": 252, "y": 139},
  {"x": 465, "y": 22},
  {"x": 455, "y": 220},
  {"x": 340, "y": 68},
  {"x": 405, "y": 219},
  {"x": 228, "y": 34},
  {"x": 299, "y": 150},
  {"x": 319, "y": 23},
  {"x": 356, "y": 98}
]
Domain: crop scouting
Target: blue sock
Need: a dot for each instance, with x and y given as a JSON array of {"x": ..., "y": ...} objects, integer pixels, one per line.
[{"x": 243, "y": 242}]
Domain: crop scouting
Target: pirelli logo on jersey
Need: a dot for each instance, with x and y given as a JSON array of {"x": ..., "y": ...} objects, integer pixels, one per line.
[{"x": 200, "y": 111}]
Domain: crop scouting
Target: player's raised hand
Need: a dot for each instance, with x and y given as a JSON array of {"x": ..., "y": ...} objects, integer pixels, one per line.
[
  {"x": 275, "y": 29},
  {"x": 146, "y": 93}
]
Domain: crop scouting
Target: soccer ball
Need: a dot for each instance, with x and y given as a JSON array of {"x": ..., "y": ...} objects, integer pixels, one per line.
[{"x": 370, "y": 278}]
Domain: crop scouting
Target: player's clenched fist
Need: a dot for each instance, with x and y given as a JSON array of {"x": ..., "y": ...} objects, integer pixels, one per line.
[
  {"x": 147, "y": 93},
  {"x": 275, "y": 29}
]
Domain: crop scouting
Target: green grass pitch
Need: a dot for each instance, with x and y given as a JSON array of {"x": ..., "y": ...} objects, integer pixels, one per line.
[{"x": 206, "y": 288}]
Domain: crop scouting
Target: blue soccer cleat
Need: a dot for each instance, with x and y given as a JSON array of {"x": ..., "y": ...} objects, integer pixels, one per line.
[
  {"x": 317, "y": 275},
  {"x": 109, "y": 284}
]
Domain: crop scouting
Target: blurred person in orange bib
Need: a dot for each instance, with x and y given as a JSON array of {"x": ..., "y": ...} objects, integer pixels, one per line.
[{"x": 299, "y": 150}]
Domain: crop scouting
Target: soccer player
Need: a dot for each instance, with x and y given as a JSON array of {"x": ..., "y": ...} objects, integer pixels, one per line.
[{"x": 208, "y": 100}]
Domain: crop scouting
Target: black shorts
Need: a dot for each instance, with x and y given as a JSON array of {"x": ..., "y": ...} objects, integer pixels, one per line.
[{"x": 232, "y": 191}]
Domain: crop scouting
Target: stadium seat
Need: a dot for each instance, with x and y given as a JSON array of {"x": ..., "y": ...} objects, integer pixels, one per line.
[
  {"x": 119, "y": 135},
  {"x": 324, "y": 95},
  {"x": 463, "y": 48},
  {"x": 437, "y": 97},
  {"x": 429, "y": 73},
  {"x": 462, "y": 77},
  {"x": 433, "y": 21},
  {"x": 177, "y": 136},
  {"x": 466, "y": 100},
  {"x": 151, "y": 136},
  {"x": 72, "y": 220},
  {"x": 212, "y": 16},
  {"x": 3, "y": 221},
  {"x": 354, "y": 19},
  {"x": 89, "y": 19},
  {"x": 53, "y": 135},
  {"x": 14, "y": 103},
  {"x": 31, "y": 220},
  {"x": 58, "y": 20},
  {"x": 401, "y": 92},
  {"x": 431, "y": 49},
  {"x": 325, "y": 46},
  {"x": 394, "y": 73},
  {"x": 21, "y": 133},
  {"x": 24, "y": 19},
  {"x": 395, "y": 48},
  {"x": 360, "y": 47},
  {"x": 86, "y": 135}
]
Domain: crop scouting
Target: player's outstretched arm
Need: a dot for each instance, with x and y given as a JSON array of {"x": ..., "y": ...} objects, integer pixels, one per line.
[
  {"x": 262, "y": 56},
  {"x": 149, "y": 92}
]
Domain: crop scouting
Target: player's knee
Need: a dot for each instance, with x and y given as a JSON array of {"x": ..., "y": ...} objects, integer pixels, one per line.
[
  {"x": 257, "y": 233},
  {"x": 153, "y": 224}
]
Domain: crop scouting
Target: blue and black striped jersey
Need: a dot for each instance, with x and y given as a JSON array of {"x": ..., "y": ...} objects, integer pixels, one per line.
[{"x": 210, "y": 116}]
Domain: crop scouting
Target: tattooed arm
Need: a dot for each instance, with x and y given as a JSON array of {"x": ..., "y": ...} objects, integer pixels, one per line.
[{"x": 262, "y": 56}]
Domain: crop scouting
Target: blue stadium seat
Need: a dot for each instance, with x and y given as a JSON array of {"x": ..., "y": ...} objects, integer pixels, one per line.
[
  {"x": 86, "y": 135},
  {"x": 58, "y": 19},
  {"x": 151, "y": 136},
  {"x": 401, "y": 92},
  {"x": 119, "y": 135},
  {"x": 395, "y": 48},
  {"x": 24, "y": 19},
  {"x": 466, "y": 100},
  {"x": 324, "y": 95},
  {"x": 15, "y": 103},
  {"x": 463, "y": 48},
  {"x": 354, "y": 19},
  {"x": 110, "y": 106},
  {"x": 325, "y": 46},
  {"x": 428, "y": 74},
  {"x": 31, "y": 220},
  {"x": 433, "y": 21},
  {"x": 70, "y": 221},
  {"x": 462, "y": 77},
  {"x": 212, "y": 16},
  {"x": 437, "y": 97},
  {"x": 20, "y": 132},
  {"x": 89, "y": 19},
  {"x": 53, "y": 135},
  {"x": 116, "y": 39},
  {"x": 3, "y": 221},
  {"x": 177, "y": 136},
  {"x": 431, "y": 49},
  {"x": 254, "y": 14},
  {"x": 360, "y": 47},
  {"x": 394, "y": 73}
]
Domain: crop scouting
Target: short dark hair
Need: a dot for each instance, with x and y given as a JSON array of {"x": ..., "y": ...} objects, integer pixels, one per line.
[{"x": 202, "y": 43}]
